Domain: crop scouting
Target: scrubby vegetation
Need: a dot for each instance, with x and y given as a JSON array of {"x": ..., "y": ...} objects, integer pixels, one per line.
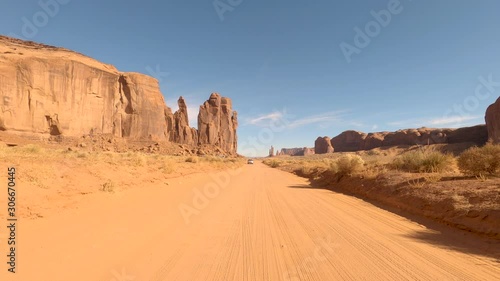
[
  {"x": 476, "y": 161},
  {"x": 273, "y": 163},
  {"x": 480, "y": 161},
  {"x": 424, "y": 161},
  {"x": 348, "y": 165}
]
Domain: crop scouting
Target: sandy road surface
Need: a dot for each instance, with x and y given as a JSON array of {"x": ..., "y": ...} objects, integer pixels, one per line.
[{"x": 256, "y": 224}]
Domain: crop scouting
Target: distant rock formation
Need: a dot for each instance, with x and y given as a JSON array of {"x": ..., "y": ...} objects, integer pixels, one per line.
[
  {"x": 57, "y": 92},
  {"x": 348, "y": 141},
  {"x": 355, "y": 141},
  {"x": 183, "y": 133},
  {"x": 308, "y": 151},
  {"x": 217, "y": 123},
  {"x": 299, "y": 151},
  {"x": 492, "y": 121},
  {"x": 271, "y": 151},
  {"x": 323, "y": 145}
]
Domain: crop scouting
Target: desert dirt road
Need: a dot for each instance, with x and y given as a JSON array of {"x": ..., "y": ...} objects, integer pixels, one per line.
[{"x": 255, "y": 223}]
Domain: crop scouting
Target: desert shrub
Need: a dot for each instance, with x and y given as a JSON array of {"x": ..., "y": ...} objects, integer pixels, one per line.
[
  {"x": 272, "y": 163},
  {"x": 372, "y": 171},
  {"x": 348, "y": 165},
  {"x": 32, "y": 148},
  {"x": 108, "y": 186},
  {"x": 167, "y": 166},
  {"x": 212, "y": 159},
  {"x": 480, "y": 161},
  {"x": 82, "y": 155},
  {"x": 138, "y": 159},
  {"x": 192, "y": 159},
  {"x": 424, "y": 161}
]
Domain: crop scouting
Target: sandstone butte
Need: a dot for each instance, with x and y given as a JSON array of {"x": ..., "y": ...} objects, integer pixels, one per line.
[
  {"x": 298, "y": 151},
  {"x": 350, "y": 141},
  {"x": 53, "y": 91},
  {"x": 492, "y": 119},
  {"x": 355, "y": 141}
]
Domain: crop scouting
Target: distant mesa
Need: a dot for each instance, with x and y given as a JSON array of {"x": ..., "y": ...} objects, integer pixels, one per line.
[
  {"x": 352, "y": 141},
  {"x": 56, "y": 92},
  {"x": 356, "y": 141},
  {"x": 302, "y": 151}
]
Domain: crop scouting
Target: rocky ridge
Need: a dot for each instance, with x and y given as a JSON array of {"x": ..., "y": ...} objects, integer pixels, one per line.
[{"x": 55, "y": 92}]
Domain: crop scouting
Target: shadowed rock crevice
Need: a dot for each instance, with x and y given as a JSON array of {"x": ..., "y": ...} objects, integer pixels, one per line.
[{"x": 183, "y": 133}]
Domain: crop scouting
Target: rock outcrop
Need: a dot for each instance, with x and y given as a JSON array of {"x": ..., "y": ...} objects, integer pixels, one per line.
[
  {"x": 348, "y": 141},
  {"x": 477, "y": 135},
  {"x": 308, "y": 151},
  {"x": 217, "y": 123},
  {"x": 355, "y": 141},
  {"x": 59, "y": 92},
  {"x": 182, "y": 132},
  {"x": 323, "y": 145},
  {"x": 52, "y": 91},
  {"x": 492, "y": 121},
  {"x": 271, "y": 151},
  {"x": 298, "y": 151}
]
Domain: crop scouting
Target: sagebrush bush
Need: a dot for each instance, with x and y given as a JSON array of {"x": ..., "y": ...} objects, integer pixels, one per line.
[
  {"x": 424, "y": 161},
  {"x": 32, "y": 148},
  {"x": 273, "y": 163},
  {"x": 192, "y": 159},
  {"x": 480, "y": 161},
  {"x": 348, "y": 165}
]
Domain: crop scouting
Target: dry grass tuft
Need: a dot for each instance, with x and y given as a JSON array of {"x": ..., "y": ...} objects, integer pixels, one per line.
[
  {"x": 192, "y": 159},
  {"x": 108, "y": 186},
  {"x": 480, "y": 161},
  {"x": 424, "y": 161}
]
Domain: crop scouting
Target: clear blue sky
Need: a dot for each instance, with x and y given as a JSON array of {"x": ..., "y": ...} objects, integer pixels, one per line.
[{"x": 282, "y": 59}]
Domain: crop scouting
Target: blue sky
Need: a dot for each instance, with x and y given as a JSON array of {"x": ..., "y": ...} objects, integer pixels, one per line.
[{"x": 282, "y": 63}]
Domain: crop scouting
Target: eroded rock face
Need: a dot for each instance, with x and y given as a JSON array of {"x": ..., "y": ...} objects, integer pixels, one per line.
[
  {"x": 298, "y": 151},
  {"x": 308, "y": 151},
  {"x": 217, "y": 123},
  {"x": 492, "y": 121},
  {"x": 323, "y": 145},
  {"x": 476, "y": 134},
  {"x": 348, "y": 141},
  {"x": 355, "y": 141},
  {"x": 140, "y": 111},
  {"x": 183, "y": 133},
  {"x": 55, "y": 91}
]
